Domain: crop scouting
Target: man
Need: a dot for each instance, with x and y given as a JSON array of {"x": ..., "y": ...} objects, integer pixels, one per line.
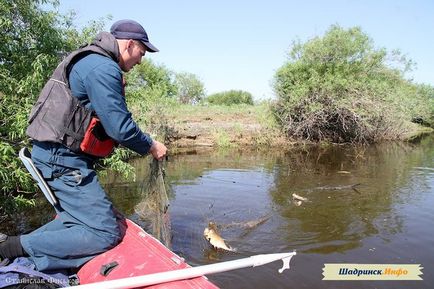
[{"x": 79, "y": 116}]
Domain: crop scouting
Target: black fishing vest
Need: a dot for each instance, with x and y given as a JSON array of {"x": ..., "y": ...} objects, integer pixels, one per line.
[{"x": 58, "y": 116}]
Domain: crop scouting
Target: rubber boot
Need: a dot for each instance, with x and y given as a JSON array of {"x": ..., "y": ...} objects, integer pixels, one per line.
[
  {"x": 10, "y": 247},
  {"x": 3, "y": 262}
]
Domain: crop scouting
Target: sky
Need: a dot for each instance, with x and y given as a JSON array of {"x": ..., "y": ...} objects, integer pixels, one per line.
[{"x": 230, "y": 44}]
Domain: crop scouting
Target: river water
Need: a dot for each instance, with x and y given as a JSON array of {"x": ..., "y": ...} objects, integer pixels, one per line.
[
  {"x": 372, "y": 205},
  {"x": 366, "y": 205}
]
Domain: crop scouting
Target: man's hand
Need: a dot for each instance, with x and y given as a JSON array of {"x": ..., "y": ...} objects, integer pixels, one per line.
[{"x": 158, "y": 150}]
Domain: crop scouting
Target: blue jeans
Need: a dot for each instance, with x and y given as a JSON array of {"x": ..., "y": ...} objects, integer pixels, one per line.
[{"x": 85, "y": 225}]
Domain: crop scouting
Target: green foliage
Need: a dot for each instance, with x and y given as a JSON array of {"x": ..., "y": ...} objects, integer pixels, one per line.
[
  {"x": 27, "y": 32},
  {"x": 423, "y": 105},
  {"x": 230, "y": 97},
  {"x": 76, "y": 37},
  {"x": 28, "y": 52},
  {"x": 339, "y": 88},
  {"x": 190, "y": 89},
  {"x": 117, "y": 163},
  {"x": 31, "y": 45}
]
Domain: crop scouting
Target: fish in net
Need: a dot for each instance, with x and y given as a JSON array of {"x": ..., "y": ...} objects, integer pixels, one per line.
[{"x": 153, "y": 210}]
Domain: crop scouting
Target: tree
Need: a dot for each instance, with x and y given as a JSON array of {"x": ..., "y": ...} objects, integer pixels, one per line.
[
  {"x": 190, "y": 89},
  {"x": 149, "y": 75},
  {"x": 150, "y": 93},
  {"x": 149, "y": 85},
  {"x": 340, "y": 88}
]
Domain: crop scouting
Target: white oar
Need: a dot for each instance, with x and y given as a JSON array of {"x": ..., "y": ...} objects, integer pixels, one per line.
[{"x": 181, "y": 274}]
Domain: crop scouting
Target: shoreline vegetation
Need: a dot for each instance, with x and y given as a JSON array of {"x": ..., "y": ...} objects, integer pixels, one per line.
[
  {"x": 237, "y": 127},
  {"x": 335, "y": 88}
]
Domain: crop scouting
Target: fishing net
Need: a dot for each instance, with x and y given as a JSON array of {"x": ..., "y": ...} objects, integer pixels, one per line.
[{"x": 153, "y": 210}]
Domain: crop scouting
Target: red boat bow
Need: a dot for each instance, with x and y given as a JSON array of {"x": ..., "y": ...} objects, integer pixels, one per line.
[{"x": 138, "y": 254}]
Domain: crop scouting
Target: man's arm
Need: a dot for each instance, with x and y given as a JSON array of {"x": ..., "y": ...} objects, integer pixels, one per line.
[{"x": 104, "y": 88}]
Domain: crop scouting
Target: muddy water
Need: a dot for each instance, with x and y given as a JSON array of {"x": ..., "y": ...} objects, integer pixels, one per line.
[{"x": 366, "y": 205}]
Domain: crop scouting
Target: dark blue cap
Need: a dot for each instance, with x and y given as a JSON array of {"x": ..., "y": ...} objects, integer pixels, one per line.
[{"x": 130, "y": 29}]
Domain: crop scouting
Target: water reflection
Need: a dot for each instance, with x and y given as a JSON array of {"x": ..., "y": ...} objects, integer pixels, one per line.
[{"x": 337, "y": 217}]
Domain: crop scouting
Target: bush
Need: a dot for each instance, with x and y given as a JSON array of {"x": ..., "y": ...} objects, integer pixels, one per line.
[
  {"x": 423, "y": 104},
  {"x": 230, "y": 97},
  {"x": 339, "y": 88}
]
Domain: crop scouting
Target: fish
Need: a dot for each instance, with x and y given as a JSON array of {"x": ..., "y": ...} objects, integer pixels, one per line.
[
  {"x": 337, "y": 188},
  {"x": 248, "y": 224},
  {"x": 299, "y": 198},
  {"x": 211, "y": 234}
]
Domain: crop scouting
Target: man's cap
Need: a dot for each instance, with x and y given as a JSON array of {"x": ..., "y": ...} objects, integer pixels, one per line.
[{"x": 130, "y": 29}]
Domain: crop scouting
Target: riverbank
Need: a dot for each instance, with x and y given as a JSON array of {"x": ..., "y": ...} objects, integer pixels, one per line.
[
  {"x": 188, "y": 126},
  {"x": 223, "y": 126}
]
